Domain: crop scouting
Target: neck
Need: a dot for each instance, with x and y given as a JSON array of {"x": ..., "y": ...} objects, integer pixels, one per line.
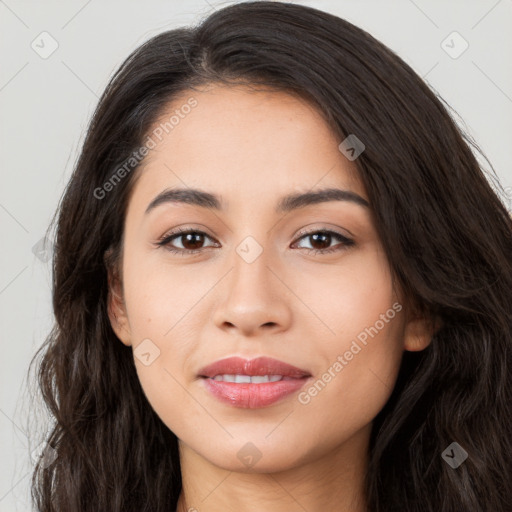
[{"x": 334, "y": 480}]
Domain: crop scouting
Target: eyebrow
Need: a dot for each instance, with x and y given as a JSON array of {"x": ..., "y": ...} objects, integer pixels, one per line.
[{"x": 286, "y": 204}]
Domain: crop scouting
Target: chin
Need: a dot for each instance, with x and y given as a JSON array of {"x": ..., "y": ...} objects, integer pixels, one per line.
[
  {"x": 245, "y": 456},
  {"x": 267, "y": 464}
]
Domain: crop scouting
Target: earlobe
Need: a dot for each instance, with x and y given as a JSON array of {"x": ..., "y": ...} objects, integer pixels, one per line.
[
  {"x": 418, "y": 333},
  {"x": 117, "y": 310}
]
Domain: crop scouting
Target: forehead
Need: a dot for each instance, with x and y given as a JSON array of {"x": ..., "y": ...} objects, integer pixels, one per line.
[{"x": 244, "y": 143}]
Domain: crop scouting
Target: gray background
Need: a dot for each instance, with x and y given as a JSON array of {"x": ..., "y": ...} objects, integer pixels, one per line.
[{"x": 46, "y": 104}]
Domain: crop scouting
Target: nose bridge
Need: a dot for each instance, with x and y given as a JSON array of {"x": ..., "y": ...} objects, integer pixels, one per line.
[
  {"x": 251, "y": 266},
  {"x": 253, "y": 297}
]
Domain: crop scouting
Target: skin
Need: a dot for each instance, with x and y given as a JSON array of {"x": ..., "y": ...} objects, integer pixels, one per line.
[{"x": 303, "y": 308}]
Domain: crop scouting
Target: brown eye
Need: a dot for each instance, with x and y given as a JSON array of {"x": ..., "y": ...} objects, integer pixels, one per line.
[
  {"x": 320, "y": 241},
  {"x": 191, "y": 241}
]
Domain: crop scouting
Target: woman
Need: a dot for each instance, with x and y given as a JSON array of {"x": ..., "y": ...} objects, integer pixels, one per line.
[{"x": 212, "y": 351}]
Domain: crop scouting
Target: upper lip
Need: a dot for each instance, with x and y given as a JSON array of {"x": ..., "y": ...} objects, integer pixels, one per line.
[{"x": 258, "y": 366}]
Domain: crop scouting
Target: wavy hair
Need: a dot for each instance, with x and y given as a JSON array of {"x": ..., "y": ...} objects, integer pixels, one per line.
[{"x": 446, "y": 233}]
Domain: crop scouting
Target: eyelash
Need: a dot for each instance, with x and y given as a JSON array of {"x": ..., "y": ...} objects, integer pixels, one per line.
[{"x": 166, "y": 239}]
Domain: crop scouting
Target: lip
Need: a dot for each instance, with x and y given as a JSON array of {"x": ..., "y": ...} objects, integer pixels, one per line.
[
  {"x": 257, "y": 366},
  {"x": 249, "y": 395}
]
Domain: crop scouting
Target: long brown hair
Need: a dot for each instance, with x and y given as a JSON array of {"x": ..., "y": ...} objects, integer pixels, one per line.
[{"x": 447, "y": 236}]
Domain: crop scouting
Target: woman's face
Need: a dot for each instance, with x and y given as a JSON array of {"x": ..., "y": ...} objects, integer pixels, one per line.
[{"x": 308, "y": 285}]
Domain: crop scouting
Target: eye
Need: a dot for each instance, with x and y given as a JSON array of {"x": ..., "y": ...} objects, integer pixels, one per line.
[
  {"x": 193, "y": 240},
  {"x": 323, "y": 238}
]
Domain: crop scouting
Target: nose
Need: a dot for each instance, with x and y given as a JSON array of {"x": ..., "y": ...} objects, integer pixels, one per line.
[{"x": 254, "y": 298}]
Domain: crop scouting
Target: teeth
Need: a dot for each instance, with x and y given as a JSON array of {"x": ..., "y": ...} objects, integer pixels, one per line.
[
  {"x": 257, "y": 379},
  {"x": 248, "y": 379}
]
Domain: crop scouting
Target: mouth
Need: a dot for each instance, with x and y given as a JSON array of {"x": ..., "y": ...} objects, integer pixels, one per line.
[
  {"x": 252, "y": 383},
  {"x": 249, "y": 379}
]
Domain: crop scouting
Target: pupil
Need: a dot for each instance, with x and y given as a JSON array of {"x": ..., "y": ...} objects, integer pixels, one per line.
[
  {"x": 325, "y": 243},
  {"x": 188, "y": 237}
]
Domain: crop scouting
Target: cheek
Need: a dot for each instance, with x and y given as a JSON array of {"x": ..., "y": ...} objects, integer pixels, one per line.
[
  {"x": 360, "y": 345},
  {"x": 345, "y": 298},
  {"x": 353, "y": 389},
  {"x": 165, "y": 305},
  {"x": 159, "y": 296}
]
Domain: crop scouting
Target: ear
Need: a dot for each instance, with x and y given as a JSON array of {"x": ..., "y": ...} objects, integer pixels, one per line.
[
  {"x": 115, "y": 304},
  {"x": 419, "y": 331}
]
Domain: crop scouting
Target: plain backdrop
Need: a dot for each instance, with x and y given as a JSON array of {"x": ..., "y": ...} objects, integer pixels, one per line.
[{"x": 57, "y": 57}]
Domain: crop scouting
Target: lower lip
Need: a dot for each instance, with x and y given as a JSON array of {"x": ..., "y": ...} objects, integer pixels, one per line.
[{"x": 253, "y": 396}]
